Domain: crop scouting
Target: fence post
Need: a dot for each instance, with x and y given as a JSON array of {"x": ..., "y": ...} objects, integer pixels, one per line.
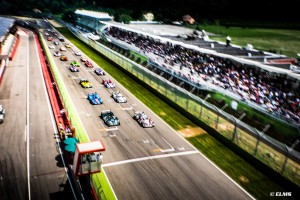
[
  {"x": 285, "y": 160},
  {"x": 187, "y": 103},
  {"x": 218, "y": 116},
  {"x": 257, "y": 142},
  {"x": 235, "y": 130}
]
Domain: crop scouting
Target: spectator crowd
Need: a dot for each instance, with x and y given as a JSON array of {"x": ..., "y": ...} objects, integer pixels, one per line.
[{"x": 272, "y": 92}]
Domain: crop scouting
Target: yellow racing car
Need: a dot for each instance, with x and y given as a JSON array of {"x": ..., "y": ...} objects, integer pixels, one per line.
[{"x": 85, "y": 83}]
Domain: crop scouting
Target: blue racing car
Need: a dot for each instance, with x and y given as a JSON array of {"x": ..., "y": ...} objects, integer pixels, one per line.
[{"x": 94, "y": 98}]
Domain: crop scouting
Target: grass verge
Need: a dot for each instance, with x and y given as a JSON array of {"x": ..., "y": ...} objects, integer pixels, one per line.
[
  {"x": 255, "y": 182},
  {"x": 282, "y": 41}
]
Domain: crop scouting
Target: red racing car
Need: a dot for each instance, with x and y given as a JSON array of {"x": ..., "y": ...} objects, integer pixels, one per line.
[{"x": 88, "y": 64}]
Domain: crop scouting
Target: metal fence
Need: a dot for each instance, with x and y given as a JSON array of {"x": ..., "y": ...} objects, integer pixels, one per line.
[{"x": 273, "y": 153}]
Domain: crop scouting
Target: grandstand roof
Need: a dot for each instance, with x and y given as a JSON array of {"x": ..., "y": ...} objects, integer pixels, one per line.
[
  {"x": 94, "y": 14},
  {"x": 5, "y": 25}
]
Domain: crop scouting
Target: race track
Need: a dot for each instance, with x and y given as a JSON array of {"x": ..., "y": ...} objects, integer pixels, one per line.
[
  {"x": 140, "y": 163},
  {"x": 143, "y": 163}
]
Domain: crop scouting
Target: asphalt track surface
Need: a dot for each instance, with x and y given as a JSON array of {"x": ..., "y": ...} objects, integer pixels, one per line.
[
  {"x": 143, "y": 163},
  {"x": 140, "y": 163},
  {"x": 29, "y": 161}
]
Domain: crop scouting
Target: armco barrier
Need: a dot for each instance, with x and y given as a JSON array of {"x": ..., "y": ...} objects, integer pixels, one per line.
[
  {"x": 272, "y": 153},
  {"x": 99, "y": 180}
]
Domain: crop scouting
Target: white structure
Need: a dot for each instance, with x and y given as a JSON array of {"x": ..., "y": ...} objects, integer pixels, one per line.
[{"x": 98, "y": 15}]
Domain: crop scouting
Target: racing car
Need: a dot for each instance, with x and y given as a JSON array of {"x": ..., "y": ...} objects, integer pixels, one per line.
[
  {"x": 57, "y": 54},
  {"x": 85, "y": 83},
  {"x": 88, "y": 64},
  {"x": 108, "y": 83},
  {"x": 99, "y": 72},
  {"x": 75, "y": 63},
  {"x": 77, "y": 53},
  {"x": 94, "y": 98},
  {"x": 64, "y": 58},
  {"x": 83, "y": 59},
  {"x": 68, "y": 45},
  {"x": 118, "y": 97},
  {"x": 61, "y": 39},
  {"x": 143, "y": 119},
  {"x": 2, "y": 113},
  {"x": 63, "y": 49},
  {"x": 73, "y": 69},
  {"x": 109, "y": 118}
]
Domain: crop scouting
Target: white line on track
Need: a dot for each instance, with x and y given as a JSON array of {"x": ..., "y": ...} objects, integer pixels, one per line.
[
  {"x": 83, "y": 95},
  {"x": 153, "y": 142},
  {"x": 25, "y": 133},
  {"x": 149, "y": 158},
  {"x": 111, "y": 129},
  {"x": 130, "y": 108}
]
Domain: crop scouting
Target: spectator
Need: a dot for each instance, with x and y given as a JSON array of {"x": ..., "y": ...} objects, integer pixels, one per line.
[{"x": 228, "y": 40}]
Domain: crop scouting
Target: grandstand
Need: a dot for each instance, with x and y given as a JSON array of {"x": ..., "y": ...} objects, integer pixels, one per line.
[{"x": 197, "y": 65}]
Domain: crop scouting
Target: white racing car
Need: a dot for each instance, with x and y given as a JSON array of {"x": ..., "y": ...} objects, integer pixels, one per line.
[
  {"x": 143, "y": 119},
  {"x": 57, "y": 54},
  {"x": 77, "y": 53},
  {"x": 118, "y": 97}
]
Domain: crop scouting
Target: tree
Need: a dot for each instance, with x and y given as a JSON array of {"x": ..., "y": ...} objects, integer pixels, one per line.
[{"x": 125, "y": 18}]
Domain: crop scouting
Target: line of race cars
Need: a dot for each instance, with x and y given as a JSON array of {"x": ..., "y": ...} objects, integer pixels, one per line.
[{"x": 106, "y": 115}]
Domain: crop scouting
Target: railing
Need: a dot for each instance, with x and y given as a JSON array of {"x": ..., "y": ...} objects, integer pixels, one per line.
[{"x": 273, "y": 153}]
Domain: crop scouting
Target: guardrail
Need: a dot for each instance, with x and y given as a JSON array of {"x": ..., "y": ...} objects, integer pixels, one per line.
[
  {"x": 271, "y": 152},
  {"x": 99, "y": 180}
]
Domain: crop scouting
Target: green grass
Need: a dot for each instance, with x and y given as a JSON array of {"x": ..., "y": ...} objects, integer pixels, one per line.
[
  {"x": 258, "y": 185},
  {"x": 282, "y": 41}
]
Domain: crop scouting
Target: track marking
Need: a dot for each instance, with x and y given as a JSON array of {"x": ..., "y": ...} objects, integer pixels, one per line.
[
  {"x": 149, "y": 158},
  {"x": 83, "y": 95},
  {"x": 111, "y": 129},
  {"x": 130, "y": 108},
  {"x": 25, "y": 133}
]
